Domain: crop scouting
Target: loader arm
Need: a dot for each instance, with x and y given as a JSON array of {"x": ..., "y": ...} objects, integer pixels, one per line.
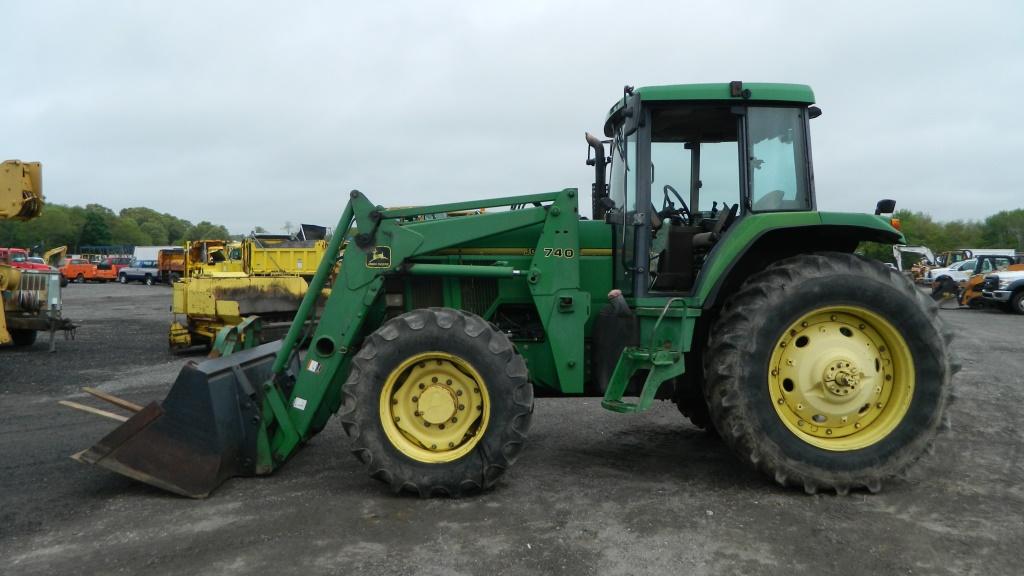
[
  {"x": 554, "y": 285},
  {"x": 245, "y": 414}
]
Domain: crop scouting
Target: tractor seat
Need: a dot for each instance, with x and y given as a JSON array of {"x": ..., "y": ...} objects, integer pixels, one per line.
[{"x": 675, "y": 263}]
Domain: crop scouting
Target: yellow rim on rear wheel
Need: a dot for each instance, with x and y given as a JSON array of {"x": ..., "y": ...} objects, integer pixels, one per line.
[
  {"x": 841, "y": 378},
  {"x": 434, "y": 407}
]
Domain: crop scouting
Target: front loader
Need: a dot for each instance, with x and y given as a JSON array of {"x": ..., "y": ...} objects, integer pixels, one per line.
[{"x": 706, "y": 277}]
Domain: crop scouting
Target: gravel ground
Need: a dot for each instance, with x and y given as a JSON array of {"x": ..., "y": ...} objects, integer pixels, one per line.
[{"x": 593, "y": 493}]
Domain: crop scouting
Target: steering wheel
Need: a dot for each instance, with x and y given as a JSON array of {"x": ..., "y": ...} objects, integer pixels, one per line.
[{"x": 669, "y": 210}]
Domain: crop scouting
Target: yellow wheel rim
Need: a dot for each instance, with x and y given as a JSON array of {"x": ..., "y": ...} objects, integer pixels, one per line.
[
  {"x": 434, "y": 407},
  {"x": 841, "y": 378}
]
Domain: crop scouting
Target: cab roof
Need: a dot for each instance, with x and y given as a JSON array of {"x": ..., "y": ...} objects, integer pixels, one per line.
[{"x": 756, "y": 92}]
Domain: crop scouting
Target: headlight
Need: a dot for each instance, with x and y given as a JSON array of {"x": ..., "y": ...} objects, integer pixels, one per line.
[{"x": 1004, "y": 284}]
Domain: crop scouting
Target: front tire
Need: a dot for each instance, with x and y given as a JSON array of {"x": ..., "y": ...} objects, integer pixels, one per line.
[
  {"x": 829, "y": 372},
  {"x": 1017, "y": 302},
  {"x": 149, "y": 280},
  {"x": 122, "y": 278},
  {"x": 437, "y": 403}
]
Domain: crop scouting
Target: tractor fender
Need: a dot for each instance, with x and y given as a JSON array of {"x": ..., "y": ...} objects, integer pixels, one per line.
[{"x": 756, "y": 241}]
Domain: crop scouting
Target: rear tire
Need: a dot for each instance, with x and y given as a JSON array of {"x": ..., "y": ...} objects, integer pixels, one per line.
[
  {"x": 407, "y": 368},
  {"x": 23, "y": 337},
  {"x": 80, "y": 279},
  {"x": 122, "y": 278},
  {"x": 857, "y": 332}
]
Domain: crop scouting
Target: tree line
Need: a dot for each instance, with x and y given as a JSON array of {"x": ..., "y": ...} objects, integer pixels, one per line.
[
  {"x": 1003, "y": 229},
  {"x": 94, "y": 224}
]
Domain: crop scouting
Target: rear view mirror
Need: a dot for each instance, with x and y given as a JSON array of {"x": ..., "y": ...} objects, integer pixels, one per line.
[{"x": 885, "y": 207}]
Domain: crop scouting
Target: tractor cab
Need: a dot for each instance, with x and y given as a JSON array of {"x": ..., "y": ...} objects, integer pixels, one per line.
[{"x": 686, "y": 162}]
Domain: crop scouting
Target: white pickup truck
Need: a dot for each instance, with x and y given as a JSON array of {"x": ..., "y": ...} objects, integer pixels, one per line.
[{"x": 1005, "y": 288}]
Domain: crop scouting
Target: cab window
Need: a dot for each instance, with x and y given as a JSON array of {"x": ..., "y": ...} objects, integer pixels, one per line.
[{"x": 778, "y": 167}]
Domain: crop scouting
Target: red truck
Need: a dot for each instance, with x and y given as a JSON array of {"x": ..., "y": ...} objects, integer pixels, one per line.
[{"x": 18, "y": 258}]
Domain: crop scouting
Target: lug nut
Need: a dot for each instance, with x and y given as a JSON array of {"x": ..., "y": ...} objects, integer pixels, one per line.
[
  {"x": 397, "y": 418},
  {"x": 434, "y": 379},
  {"x": 462, "y": 406},
  {"x": 451, "y": 444},
  {"x": 458, "y": 392},
  {"x": 448, "y": 381},
  {"x": 455, "y": 419},
  {"x": 422, "y": 386},
  {"x": 441, "y": 426},
  {"x": 415, "y": 398}
]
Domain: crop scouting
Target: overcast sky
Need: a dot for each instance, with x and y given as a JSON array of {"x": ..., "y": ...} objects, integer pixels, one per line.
[{"x": 255, "y": 113}]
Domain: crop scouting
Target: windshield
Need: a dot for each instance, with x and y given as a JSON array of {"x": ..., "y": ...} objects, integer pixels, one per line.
[
  {"x": 17, "y": 257},
  {"x": 778, "y": 159},
  {"x": 965, "y": 265},
  {"x": 695, "y": 157}
]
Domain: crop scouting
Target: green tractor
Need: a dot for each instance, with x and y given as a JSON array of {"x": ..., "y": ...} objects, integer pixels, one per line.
[{"x": 706, "y": 277}]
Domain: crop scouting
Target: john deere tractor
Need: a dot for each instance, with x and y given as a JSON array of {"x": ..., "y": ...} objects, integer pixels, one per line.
[{"x": 706, "y": 277}]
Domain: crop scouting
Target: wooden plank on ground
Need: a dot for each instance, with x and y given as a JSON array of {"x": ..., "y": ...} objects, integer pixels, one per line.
[
  {"x": 112, "y": 399},
  {"x": 92, "y": 410}
]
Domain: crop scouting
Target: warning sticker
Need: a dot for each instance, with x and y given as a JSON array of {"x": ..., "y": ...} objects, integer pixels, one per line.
[
  {"x": 313, "y": 367},
  {"x": 299, "y": 403}
]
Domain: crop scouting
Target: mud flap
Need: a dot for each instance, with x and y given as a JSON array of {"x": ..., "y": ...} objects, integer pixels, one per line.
[{"x": 203, "y": 433}]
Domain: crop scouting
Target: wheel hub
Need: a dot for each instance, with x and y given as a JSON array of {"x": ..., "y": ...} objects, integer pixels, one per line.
[
  {"x": 434, "y": 407},
  {"x": 437, "y": 404},
  {"x": 841, "y": 378}
]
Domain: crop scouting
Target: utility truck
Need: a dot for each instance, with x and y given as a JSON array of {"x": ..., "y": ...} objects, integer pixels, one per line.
[{"x": 705, "y": 277}]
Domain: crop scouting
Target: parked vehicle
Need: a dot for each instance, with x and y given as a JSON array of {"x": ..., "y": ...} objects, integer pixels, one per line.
[
  {"x": 30, "y": 300},
  {"x": 144, "y": 271},
  {"x": 1005, "y": 289},
  {"x": 78, "y": 270},
  {"x": 971, "y": 289},
  {"x": 171, "y": 264},
  {"x": 817, "y": 367},
  {"x": 20, "y": 259},
  {"x": 956, "y": 272}
]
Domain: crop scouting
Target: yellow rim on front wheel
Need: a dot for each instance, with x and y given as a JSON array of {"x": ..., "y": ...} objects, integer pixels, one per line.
[
  {"x": 434, "y": 407},
  {"x": 841, "y": 378}
]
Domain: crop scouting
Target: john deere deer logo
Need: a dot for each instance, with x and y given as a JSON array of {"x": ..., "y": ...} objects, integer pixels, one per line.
[{"x": 379, "y": 257}]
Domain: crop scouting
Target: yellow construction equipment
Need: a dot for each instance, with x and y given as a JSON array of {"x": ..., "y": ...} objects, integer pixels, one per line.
[
  {"x": 31, "y": 298},
  {"x": 226, "y": 281}
]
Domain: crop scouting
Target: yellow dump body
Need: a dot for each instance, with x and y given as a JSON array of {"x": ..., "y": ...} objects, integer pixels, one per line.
[{"x": 299, "y": 258}]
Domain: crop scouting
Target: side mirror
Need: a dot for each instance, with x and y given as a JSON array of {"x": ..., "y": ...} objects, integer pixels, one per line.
[
  {"x": 813, "y": 112},
  {"x": 886, "y": 206}
]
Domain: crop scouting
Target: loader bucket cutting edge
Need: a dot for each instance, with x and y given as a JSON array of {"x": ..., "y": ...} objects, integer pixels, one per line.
[{"x": 203, "y": 433}]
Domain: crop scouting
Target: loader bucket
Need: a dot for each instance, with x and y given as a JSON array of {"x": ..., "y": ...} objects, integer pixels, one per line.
[{"x": 203, "y": 433}]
